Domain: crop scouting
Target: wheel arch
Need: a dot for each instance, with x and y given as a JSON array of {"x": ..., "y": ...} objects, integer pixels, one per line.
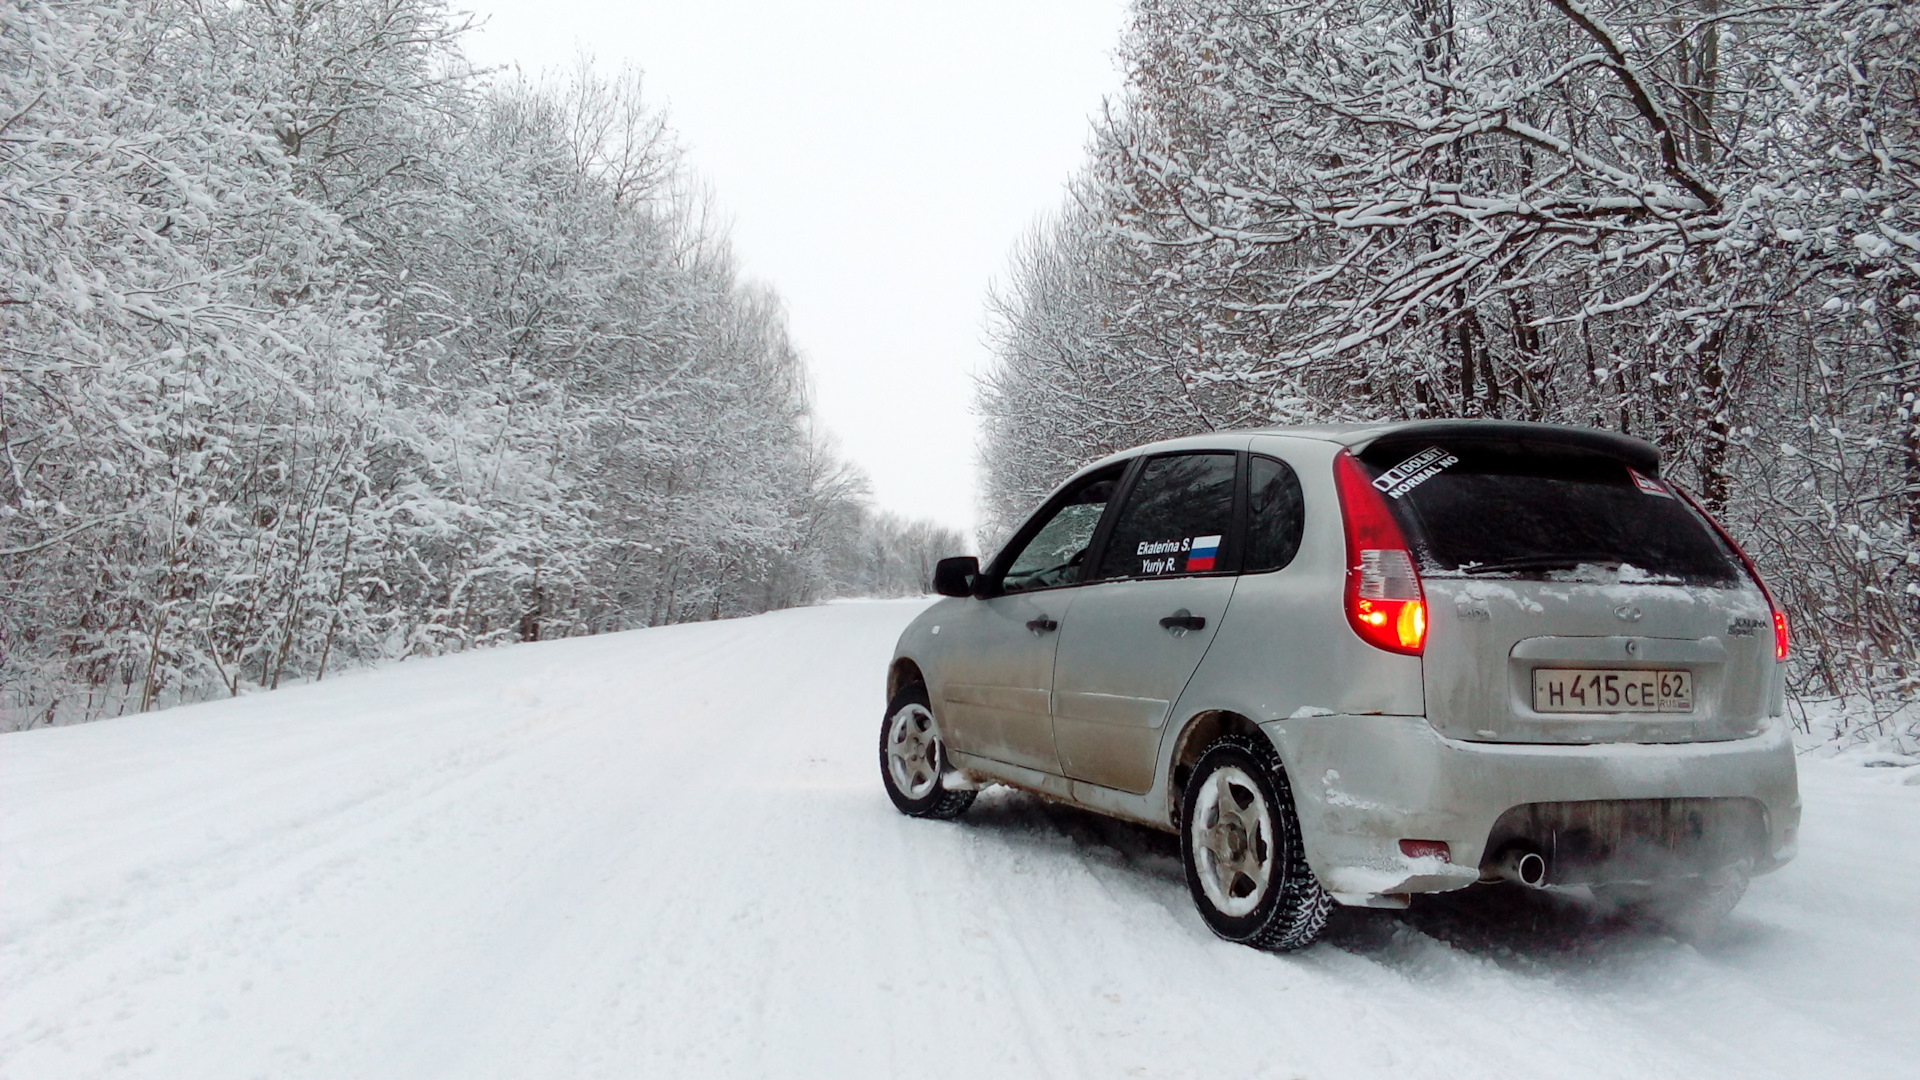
[
  {"x": 902, "y": 672},
  {"x": 1195, "y": 736}
]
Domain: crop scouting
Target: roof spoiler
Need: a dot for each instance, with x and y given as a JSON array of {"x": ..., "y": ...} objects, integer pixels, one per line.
[{"x": 1547, "y": 438}]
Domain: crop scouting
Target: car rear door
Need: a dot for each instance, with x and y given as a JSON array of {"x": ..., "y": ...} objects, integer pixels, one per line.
[
  {"x": 1574, "y": 598},
  {"x": 1139, "y": 627}
]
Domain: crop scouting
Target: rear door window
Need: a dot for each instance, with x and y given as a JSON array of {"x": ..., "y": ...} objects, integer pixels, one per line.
[
  {"x": 1178, "y": 519},
  {"x": 1485, "y": 509}
]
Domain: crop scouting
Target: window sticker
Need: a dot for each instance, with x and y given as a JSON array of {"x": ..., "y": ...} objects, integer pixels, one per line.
[
  {"x": 1201, "y": 553},
  {"x": 1167, "y": 548},
  {"x": 1648, "y": 485},
  {"x": 1205, "y": 549},
  {"x": 1414, "y": 471}
]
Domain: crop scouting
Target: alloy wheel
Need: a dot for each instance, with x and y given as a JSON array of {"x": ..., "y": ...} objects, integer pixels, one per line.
[
  {"x": 1233, "y": 841},
  {"x": 913, "y": 751}
]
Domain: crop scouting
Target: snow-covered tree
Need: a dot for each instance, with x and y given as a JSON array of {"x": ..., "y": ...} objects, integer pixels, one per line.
[
  {"x": 316, "y": 349},
  {"x": 1693, "y": 220}
]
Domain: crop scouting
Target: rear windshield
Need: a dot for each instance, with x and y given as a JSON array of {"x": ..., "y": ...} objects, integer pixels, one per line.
[{"x": 1507, "y": 512}]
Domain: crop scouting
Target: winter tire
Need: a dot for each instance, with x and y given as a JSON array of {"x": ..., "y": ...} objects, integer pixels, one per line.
[
  {"x": 1240, "y": 841},
  {"x": 913, "y": 761}
]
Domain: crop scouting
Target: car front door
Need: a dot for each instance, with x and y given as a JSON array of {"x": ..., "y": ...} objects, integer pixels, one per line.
[
  {"x": 1138, "y": 628},
  {"x": 998, "y": 651}
]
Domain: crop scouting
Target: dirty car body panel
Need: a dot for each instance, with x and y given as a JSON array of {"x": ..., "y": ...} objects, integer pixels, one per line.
[{"x": 1439, "y": 744}]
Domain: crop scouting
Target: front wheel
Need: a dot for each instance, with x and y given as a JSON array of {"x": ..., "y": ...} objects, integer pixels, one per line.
[
  {"x": 1240, "y": 841},
  {"x": 913, "y": 761}
]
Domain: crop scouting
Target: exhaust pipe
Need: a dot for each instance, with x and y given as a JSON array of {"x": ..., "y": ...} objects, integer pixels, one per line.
[{"x": 1524, "y": 865}]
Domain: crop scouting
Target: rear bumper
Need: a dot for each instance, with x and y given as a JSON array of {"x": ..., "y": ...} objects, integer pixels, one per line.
[{"x": 1362, "y": 784}]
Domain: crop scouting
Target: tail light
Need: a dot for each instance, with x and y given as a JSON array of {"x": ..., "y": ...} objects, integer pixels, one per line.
[
  {"x": 1385, "y": 604},
  {"x": 1780, "y": 643}
]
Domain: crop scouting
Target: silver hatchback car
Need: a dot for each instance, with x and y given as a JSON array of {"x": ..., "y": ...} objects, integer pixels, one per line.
[{"x": 1350, "y": 664}]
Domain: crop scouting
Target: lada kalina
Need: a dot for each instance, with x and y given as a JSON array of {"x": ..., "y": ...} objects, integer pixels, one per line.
[{"x": 1351, "y": 664}]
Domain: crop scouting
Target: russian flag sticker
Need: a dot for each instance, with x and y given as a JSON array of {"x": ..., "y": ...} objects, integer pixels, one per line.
[{"x": 1205, "y": 550}]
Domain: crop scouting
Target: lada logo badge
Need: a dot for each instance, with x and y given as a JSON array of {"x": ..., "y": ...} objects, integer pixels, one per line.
[{"x": 1628, "y": 612}]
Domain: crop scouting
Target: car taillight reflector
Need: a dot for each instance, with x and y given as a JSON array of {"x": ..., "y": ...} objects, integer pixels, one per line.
[
  {"x": 1426, "y": 849},
  {"x": 1385, "y": 603},
  {"x": 1779, "y": 632}
]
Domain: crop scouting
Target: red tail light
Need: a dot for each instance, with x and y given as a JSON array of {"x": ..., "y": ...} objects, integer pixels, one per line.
[
  {"x": 1780, "y": 644},
  {"x": 1385, "y": 604}
]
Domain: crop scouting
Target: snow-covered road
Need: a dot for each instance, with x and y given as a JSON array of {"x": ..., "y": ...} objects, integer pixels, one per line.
[{"x": 666, "y": 854}]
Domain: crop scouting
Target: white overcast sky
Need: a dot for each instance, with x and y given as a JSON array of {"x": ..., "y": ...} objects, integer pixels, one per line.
[{"x": 877, "y": 159}]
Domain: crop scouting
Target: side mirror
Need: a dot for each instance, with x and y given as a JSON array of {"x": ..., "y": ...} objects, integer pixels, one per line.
[{"x": 955, "y": 576}]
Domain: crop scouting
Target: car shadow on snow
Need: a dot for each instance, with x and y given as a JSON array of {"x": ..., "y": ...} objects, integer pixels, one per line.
[
  {"x": 1037, "y": 828},
  {"x": 1511, "y": 925},
  {"x": 1500, "y": 922},
  {"x": 1021, "y": 816}
]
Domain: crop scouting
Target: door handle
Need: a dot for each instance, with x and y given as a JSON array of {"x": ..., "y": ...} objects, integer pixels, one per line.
[
  {"x": 1042, "y": 625},
  {"x": 1182, "y": 621}
]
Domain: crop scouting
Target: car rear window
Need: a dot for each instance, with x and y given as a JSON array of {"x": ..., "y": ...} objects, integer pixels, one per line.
[{"x": 1507, "y": 511}]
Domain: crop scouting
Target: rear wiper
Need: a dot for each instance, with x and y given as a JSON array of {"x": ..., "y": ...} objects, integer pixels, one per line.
[{"x": 1544, "y": 562}]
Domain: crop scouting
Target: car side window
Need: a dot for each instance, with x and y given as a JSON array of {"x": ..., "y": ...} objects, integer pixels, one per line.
[
  {"x": 1056, "y": 552},
  {"x": 1176, "y": 520},
  {"x": 1276, "y": 514}
]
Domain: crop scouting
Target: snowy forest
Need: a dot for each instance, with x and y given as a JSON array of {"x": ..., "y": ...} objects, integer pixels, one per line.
[
  {"x": 1696, "y": 221},
  {"x": 320, "y": 347}
]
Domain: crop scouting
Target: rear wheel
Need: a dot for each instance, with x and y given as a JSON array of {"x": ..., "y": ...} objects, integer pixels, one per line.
[
  {"x": 1240, "y": 841},
  {"x": 913, "y": 761}
]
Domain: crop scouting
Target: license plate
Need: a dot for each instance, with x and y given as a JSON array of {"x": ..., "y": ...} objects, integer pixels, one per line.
[{"x": 1590, "y": 690}]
